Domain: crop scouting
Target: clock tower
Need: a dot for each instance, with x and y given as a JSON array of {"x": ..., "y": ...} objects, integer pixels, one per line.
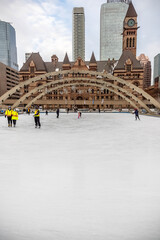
[{"x": 130, "y": 30}]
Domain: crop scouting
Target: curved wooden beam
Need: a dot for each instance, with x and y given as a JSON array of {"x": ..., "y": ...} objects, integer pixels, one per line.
[
  {"x": 85, "y": 84},
  {"x": 29, "y": 81},
  {"x": 76, "y": 71},
  {"x": 99, "y": 81}
]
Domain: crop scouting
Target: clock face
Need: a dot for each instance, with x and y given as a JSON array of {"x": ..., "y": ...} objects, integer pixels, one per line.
[{"x": 131, "y": 22}]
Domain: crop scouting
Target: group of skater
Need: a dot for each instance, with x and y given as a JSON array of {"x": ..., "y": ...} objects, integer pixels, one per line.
[{"x": 12, "y": 116}]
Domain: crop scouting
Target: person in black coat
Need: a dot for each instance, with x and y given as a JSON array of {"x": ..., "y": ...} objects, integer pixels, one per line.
[
  {"x": 57, "y": 112},
  {"x": 136, "y": 114}
]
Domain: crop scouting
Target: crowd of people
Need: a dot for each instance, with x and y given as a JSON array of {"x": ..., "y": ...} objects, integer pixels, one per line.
[{"x": 12, "y": 116}]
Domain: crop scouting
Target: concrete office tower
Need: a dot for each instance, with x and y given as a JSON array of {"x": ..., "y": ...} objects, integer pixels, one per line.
[
  {"x": 78, "y": 33},
  {"x": 8, "y": 49},
  {"x": 111, "y": 28},
  {"x": 156, "y": 74},
  {"x": 9, "y": 78}
]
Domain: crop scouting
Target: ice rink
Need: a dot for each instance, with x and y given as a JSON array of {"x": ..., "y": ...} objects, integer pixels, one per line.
[{"x": 94, "y": 178}]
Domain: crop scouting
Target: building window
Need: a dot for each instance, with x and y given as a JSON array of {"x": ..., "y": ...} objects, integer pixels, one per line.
[
  {"x": 130, "y": 42},
  {"x": 31, "y": 69},
  {"x": 127, "y": 42},
  {"x": 133, "y": 42},
  {"x": 25, "y": 77},
  {"x": 26, "y": 89},
  {"x": 128, "y": 67}
]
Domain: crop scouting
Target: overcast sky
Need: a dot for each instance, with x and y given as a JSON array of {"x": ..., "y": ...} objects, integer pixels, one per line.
[{"x": 45, "y": 26}]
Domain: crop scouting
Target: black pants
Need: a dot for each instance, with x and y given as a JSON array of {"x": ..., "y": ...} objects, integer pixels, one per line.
[
  {"x": 14, "y": 123},
  {"x": 9, "y": 121},
  {"x": 37, "y": 121},
  {"x": 137, "y": 117}
]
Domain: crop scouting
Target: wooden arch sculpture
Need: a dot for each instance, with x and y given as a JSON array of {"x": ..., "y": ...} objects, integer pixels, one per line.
[{"x": 117, "y": 85}]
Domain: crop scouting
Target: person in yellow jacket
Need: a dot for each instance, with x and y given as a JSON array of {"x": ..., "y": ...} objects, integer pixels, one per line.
[
  {"x": 14, "y": 117},
  {"x": 37, "y": 118},
  {"x": 8, "y": 114}
]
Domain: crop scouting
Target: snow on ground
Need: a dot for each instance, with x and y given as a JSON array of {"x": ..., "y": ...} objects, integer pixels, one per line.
[{"x": 94, "y": 178}]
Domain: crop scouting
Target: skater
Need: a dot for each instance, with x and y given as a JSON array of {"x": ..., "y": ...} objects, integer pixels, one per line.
[
  {"x": 67, "y": 110},
  {"x": 8, "y": 114},
  {"x": 46, "y": 112},
  {"x": 57, "y": 112},
  {"x": 79, "y": 115},
  {"x": 28, "y": 111},
  {"x": 14, "y": 117},
  {"x": 136, "y": 114},
  {"x": 37, "y": 118}
]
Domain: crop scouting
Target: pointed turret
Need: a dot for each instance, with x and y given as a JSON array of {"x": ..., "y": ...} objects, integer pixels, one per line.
[
  {"x": 93, "y": 60},
  {"x": 131, "y": 11},
  {"x": 66, "y": 63},
  {"x": 66, "y": 59},
  {"x": 93, "y": 63}
]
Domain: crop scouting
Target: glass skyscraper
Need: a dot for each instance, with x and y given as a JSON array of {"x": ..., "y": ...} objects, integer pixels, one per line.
[
  {"x": 111, "y": 28},
  {"x": 78, "y": 34},
  {"x": 156, "y": 74},
  {"x": 8, "y": 49}
]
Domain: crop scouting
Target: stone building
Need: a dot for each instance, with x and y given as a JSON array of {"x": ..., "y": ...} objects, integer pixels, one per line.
[
  {"x": 154, "y": 91},
  {"x": 35, "y": 66},
  {"x": 129, "y": 69}
]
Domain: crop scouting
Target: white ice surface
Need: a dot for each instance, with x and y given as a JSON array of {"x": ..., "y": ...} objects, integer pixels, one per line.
[{"x": 94, "y": 178}]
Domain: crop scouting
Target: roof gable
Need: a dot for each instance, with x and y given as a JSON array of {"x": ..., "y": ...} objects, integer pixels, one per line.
[
  {"x": 38, "y": 61},
  {"x": 80, "y": 64},
  {"x": 126, "y": 55}
]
